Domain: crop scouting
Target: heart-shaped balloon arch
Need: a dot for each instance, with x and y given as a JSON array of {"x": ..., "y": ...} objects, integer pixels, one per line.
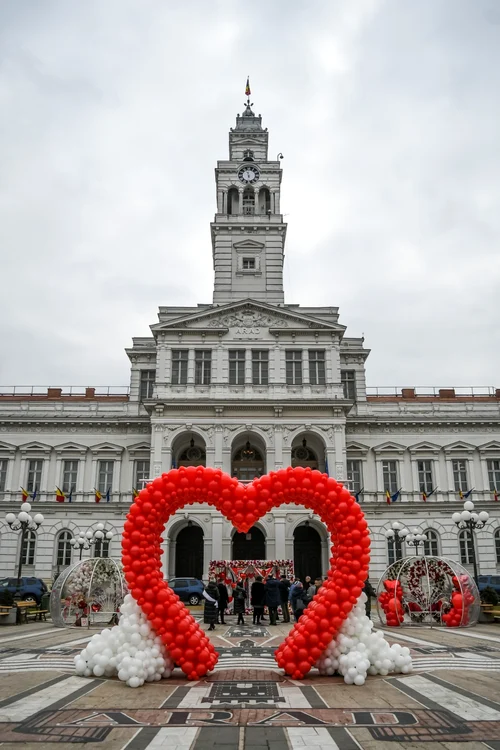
[{"x": 170, "y": 623}]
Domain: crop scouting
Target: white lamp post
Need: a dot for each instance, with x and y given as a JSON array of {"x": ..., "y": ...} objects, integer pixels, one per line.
[
  {"x": 470, "y": 520},
  {"x": 23, "y": 522},
  {"x": 398, "y": 533},
  {"x": 85, "y": 541}
]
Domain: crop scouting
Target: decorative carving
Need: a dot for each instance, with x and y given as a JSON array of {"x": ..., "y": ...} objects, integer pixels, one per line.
[{"x": 247, "y": 318}]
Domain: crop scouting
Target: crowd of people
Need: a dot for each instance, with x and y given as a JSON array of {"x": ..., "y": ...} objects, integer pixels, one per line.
[{"x": 278, "y": 595}]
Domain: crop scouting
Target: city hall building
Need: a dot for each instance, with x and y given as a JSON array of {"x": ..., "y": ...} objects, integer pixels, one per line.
[{"x": 249, "y": 384}]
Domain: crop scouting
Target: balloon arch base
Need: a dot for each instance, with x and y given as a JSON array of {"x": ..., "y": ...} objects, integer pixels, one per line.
[{"x": 427, "y": 590}]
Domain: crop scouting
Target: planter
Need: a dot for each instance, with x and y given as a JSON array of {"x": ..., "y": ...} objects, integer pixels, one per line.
[{"x": 10, "y": 618}]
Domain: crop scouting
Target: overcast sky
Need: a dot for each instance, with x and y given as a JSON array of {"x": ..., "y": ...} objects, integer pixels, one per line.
[{"x": 114, "y": 113}]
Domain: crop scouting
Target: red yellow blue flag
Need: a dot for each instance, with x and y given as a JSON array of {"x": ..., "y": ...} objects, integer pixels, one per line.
[{"x": 247, "y": 87}]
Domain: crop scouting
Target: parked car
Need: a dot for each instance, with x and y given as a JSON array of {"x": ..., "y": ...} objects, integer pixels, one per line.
[
  {"x": 188, "y": 590},
  {"x": 30, "y": 590},
  {"x": 492, "y": 582}
]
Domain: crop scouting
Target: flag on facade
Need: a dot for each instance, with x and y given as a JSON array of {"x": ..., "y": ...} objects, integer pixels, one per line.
[
  {"x": 25, "y": 494},
  {"x": 60, "y": 496},
  {"x": 426, "y": 495},
  {"x": 98, "y": 496},
  {"x": 465, "y": 495},
  {"x": 135, "y": 492},
  {"x": 247, "y": 87},
  {"x": 34, "y": 493},
  {"x": 495, "y": 494},
  {"x": 107, "y": 494},
  {"x": 358, "y": 494},
  {"x": 326, "y": 466},
  {"x": 70, "y": 495},
  {"x": 392, "y": 498}
]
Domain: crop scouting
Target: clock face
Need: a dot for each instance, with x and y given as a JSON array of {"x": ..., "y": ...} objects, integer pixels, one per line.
[{"x": 248, "y": 174}]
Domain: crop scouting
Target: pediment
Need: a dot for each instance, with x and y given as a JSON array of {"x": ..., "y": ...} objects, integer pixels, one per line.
[
  {"x": 107, "y": 448},
  {"x": 71, "y": 448},
  {"x": 35, "y": 447},
  {"x": 246, "y": 313},
  {"x": 354, "y": 448},
  {"x": 493, "y": 446},
  {"x": 248, "y": 245},
  {"x": 460, "y": 447},
  {"x": 425, "y": 447},
  {"x": 142, "y": 448},
  {"x": 7, "y": 448},
  {"x": 389, "y": 447}
]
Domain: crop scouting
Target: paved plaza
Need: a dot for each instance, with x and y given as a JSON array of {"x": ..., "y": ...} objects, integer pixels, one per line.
[{"x": 451, "y": 700}]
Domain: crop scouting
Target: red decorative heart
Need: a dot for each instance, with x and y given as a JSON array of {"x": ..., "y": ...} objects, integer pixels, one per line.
[{"x": 243, "y": 505}]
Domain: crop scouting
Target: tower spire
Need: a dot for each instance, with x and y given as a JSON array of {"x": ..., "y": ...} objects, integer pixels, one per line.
[{"x": 248, "y": 106}]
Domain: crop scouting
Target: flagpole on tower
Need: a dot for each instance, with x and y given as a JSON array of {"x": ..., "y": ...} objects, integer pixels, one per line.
[{"x": 248, "y": 92}]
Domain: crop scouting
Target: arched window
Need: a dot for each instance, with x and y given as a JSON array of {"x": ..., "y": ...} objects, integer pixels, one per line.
[
  {"x": 193, "y": 455},
  {"x": 302, "y": 455},
  {"x": 233, "y": 201},
  {"x": 28, "y": 549},
  {"x": 248, "y": 201},
  {"x": 264, "y": 201},
  {"x": 64, "y": 548},
  {"x": 466, "y": 550},
  {"x": 394, "y": 550},
  {"x": 248, "y": 463},
  {"x": 497, "y": 545},
  {"x": 101, "y": 548},
  {"x": 431, "y": 546}
]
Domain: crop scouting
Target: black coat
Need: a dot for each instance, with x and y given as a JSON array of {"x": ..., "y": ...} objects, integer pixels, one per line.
[
  {"x": 257, "y": 594},
  {"x": 239, "y": 600},
  {"x": 284, "y": 589},
  {"x": 299, "y": 595},
  {"x": 273, "y": 598},
  {"x": 223, "y": 595},
  {"x": 210, "y": 610}
]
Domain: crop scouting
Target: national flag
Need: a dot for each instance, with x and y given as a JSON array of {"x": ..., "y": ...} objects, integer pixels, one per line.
[
  {"x": 34, "y": 494},
  {"x": 25, "y": 493},
  {"x": 467, "y": 494},
  {"x": 392, "y": 498},
  {"x": 358, "y": 494},
  {"x": 426, "y": 495},
  {"x": 460, "y": 494},
  {"x": 247, "y": 87},
  {"x": 70, "y": 495},
  {"x": 326, "y": 466},
  {"x": 98, "y": 496},
  {"x": 135, "y": 492},
  {"x": 495, "y": 494},
  {"x": 107, "y": 494},
  {"x": 60, "y": 496}
]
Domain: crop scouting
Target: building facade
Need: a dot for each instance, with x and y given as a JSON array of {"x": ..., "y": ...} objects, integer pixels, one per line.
[{"x": 248, "y": 384}]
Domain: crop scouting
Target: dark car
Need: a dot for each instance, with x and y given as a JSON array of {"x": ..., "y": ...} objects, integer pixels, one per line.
[
  {"x": 492, "y": 582},
  {"x": 187, "y": 589},
  {"x": 30, "y": 590}
]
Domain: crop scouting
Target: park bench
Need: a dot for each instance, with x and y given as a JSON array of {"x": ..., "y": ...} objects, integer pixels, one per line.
[{"x": 28, "y": 609}]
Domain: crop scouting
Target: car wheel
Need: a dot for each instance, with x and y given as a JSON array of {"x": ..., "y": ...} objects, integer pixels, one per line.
[
  {"x": 30, "y": 598},
  {"x": 193, "y": 599}
]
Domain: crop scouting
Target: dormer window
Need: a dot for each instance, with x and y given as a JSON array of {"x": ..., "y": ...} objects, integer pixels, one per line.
[
  {"x": 248, "y": 155},
  {"x": 249, "y": 264}
]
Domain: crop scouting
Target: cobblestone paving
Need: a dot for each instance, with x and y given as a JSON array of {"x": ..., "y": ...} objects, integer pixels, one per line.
[{"x": 450, "y": 701}]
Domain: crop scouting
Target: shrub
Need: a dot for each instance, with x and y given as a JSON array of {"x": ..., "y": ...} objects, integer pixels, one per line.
[{"x": 489, "y": 596}]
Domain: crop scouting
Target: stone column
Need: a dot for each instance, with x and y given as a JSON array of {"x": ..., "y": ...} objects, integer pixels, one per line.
[
  {"x": 248, "y": 366},
  {"x": 278, "y": 446},
  {"x": 305, "y": 366},
  {"x": 240, "y": 205},
  {"x": 217, "y": 538},
  {"x": 190, "y": 369},
  {"x": 280, "y": 537},
  {"x": 218, "y": 457},
  {"x": 256, "y": 201}
]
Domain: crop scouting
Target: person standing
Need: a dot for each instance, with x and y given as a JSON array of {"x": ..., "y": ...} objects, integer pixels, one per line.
[
  {"x": 272, "y": 588},
  {"x": 257, "y": 599},
  {"x": 299, "y": 600},
  {"x": 223, "y": 599},
  {"x": 369, "y": 591},
  {"x": 284, "y": 591},
  {"x": 310, "y": 589},
  {"x": 211, "y": 596},
  {"x": 240, "y": 596}
]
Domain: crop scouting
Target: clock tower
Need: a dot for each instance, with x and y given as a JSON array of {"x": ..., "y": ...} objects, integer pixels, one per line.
[{"x": 248, "y": 231}]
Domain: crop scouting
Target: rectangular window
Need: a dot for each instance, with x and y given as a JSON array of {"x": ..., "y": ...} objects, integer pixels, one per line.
[
  {"x": 466, "y": 550},
  {"x": 293, "y": 361},
  {"x": 425, "y": 476},
  {"x": 3, "y": 473},
  {"x": 28, "y": 549},
  {"x": 317, "y": 366},
  {"x": 493, "y": 475},
  {"x": 260, "y": 367},
  {"x": 237, "y": 366},
  {"x": 69, "y": 477},
  {"x": 390, "y": 476},
  {"x": 394, "y": 550},
  {"x": 354, "y": 476},
  {"x": 459, "y": 466},
  {"x": 179, "y": 366},
  {"x": 105, "y": 476},
  {"x": 249, "y": 264},
  {"x": 348, "y": 380},
  {"x": 202, "y": 366},
  {"x": 147, "y": 383},
  {"x": 34, "y": 474},
  {"x": 141, "y": 474}
]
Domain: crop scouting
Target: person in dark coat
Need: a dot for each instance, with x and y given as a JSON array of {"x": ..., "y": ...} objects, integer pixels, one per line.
[
  {"x": 257, "y": 599},
  {"x": 223, "y": 600},
  {"x": 273, "y": 598},
  {"x": 284, "y": 589},
  {"x": 240, "y": 596},
  {"x": 299, "y": 600},
  {"x": 211, "y": 603},
  {"x": 369, "y": 591}
]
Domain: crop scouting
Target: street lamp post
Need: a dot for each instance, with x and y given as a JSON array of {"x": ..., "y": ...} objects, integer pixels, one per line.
[
  {"x": 470, "y": 520},
  {"x": 23, "y": 522},
  {"x": 85, "y": 541},
  {"x": 397, "y": 532},
  {"x": 415, "y": 539}
]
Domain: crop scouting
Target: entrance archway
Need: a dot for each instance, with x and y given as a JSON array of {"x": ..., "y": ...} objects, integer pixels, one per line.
[
  {"x": 189, "y": 552},
  {"x": 307, "y": 552},
  {"x": 249, "y": 546}
]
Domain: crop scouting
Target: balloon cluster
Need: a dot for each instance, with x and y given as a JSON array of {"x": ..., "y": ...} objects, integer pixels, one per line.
[
  {"x": 358, "y": 650},
  {"x": 391, "y": 601},
  {"x": 130, "y": 650},
  {"x": 462, "y": 599},
  {"x": 243, "y": 505}
]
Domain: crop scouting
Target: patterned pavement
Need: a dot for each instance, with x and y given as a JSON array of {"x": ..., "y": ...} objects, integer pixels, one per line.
[{"x": 450, "y": 701}]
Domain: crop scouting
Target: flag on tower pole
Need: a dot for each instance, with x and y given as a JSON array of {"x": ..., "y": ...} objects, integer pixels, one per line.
[{"x": 247, "y": 87}]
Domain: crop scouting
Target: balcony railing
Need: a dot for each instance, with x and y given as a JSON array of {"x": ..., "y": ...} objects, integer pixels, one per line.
[
  {"x": 64, "y": 390},
  {"x": 431, "y": 390}
]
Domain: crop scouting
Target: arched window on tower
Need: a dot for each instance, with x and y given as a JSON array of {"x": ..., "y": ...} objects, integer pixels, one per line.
[
  {"x": 431, "y": 546},
  {"x": 264, "y": 201},
  {"x": 233, "y": 201},
  {"x": 248, "y": 201}
]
